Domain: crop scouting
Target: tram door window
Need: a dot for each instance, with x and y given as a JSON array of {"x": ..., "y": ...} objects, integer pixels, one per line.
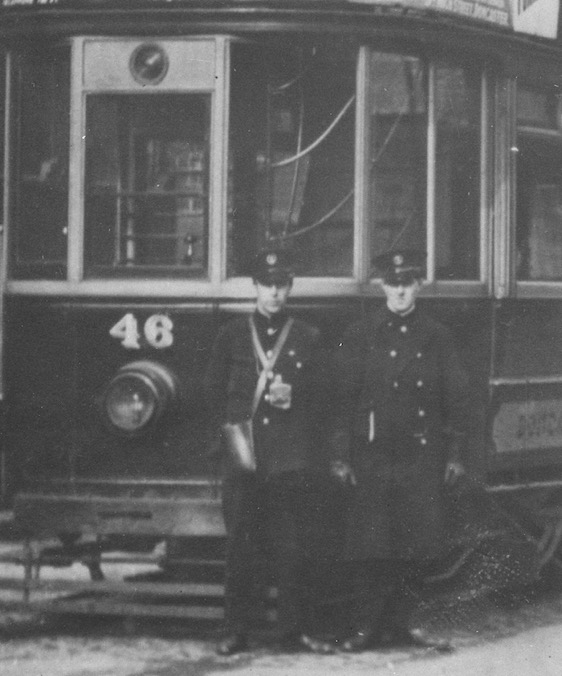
[
  {"x": 407, "y": 100},
  {"x": 146, "y": 205},
  {"x": 292, "y": 127},
  {"x": 39, "y": 189},
  {"x": 539, "y": 183}
]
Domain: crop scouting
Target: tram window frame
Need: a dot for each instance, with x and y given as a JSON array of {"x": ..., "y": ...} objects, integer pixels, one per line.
[
  {"x": 477, "y": 284},
  {"x": 38, "y": 177},
  {"x": 217, "y": 281},
  {"x": 538, "y": 148}
]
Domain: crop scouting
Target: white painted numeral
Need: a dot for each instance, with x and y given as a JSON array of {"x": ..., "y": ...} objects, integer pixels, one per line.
[
  {"x": 158, "y": 331},
  {"x": 126, "y": 330}
]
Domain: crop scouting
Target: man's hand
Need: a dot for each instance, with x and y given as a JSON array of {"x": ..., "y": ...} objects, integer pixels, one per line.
[
  {"x": 343, "y": 473},
  {"x": 453, "y": 472}
]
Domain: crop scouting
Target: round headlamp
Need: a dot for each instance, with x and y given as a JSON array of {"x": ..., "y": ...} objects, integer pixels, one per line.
[{"x": 138, "y": 396}]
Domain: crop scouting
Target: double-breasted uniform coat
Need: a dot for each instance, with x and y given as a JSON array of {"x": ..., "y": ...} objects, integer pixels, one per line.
[
  {"x": 270, "y": 505},
  {"x": 402, "y": 414}
]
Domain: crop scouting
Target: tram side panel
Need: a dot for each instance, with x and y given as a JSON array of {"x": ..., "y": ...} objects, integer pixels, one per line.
[
  {"x": 62, "y": 357},
  {"x": 526, "y": 398}
]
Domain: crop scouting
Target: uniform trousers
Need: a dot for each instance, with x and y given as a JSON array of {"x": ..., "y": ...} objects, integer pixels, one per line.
[
  {"x": 386, "y": 593},
  {"x": 266, "y": 520}
]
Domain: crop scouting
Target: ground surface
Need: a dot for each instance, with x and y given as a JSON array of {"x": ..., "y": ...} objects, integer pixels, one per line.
[{"x": 493, "y": 637}]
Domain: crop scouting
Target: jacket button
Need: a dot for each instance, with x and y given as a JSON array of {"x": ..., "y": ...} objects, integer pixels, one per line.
[
  {"x": 423, "y": 441},
  {"x": 299, "y": 365},
  {"x": 395, "y": 384},
  {"x": 266, "y": 421},
  {"x": 404, "y": 329},
  {"x": 420, "y": 383},
  {"x": 419, "y": 355},
  {"x": 269, "y": 354},
  {"x": 291, "y": 353},
  {"x": 421, "y": 413},
  {"x": 267, "y": 397},
  {"x": 393, "y": 353}
]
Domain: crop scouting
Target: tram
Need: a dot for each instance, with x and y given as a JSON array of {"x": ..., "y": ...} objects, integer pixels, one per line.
[{"x": 151, "y": 147}]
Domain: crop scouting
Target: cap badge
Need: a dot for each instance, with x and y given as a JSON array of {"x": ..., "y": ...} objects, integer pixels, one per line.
[
  {"x": 271, "y": 259},
  {"x": 398, "y": 260}
]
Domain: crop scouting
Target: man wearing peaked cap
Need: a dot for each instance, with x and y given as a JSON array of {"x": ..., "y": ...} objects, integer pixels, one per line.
[
  {"x": 399, "y": 425},
  {"x": 401, "y": 265},
  {"x": 273, "y": 267},
  {"x": 264, "y": 370}
]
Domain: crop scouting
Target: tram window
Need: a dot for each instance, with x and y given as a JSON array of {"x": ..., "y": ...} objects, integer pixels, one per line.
[
  {"x": 457, "y": 173},
  {"x": 539, "y": 184},
  {"x": 398, "y": 132},
  {"x": 292, "y": 156},
  {"x": 399, "y": 120},
  {"x": 146, "y": 188},
  {"x": 40, "y": 185}
]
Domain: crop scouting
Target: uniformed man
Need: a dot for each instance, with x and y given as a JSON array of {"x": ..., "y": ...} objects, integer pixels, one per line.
[
  {"x": 263, "y": 368},
  {"x": 402, "y": 416}
]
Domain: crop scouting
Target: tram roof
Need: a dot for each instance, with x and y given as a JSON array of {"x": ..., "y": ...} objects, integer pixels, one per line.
[{"x": 538, "y": 18}]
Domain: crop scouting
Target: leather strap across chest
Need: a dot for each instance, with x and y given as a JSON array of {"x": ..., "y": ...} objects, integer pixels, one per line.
[{"x": 267, "y": 362}]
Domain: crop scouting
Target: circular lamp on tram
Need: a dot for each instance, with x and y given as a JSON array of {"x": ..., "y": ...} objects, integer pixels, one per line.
[
  {"x": 149, "y": 64},
  {"x": 137, "y": 397}
]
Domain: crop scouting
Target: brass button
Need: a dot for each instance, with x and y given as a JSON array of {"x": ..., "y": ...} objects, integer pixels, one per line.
[
  {"x": 266, "y": 421},
  {"x": 404, "y": 329},
  {"x": 393, "y": 353}
]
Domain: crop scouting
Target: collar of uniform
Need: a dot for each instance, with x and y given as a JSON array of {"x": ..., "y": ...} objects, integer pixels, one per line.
[{"x": 276, "y": 321}]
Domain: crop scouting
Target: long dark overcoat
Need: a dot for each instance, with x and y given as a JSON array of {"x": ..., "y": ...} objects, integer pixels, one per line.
[{"x": 402, "y": 413}]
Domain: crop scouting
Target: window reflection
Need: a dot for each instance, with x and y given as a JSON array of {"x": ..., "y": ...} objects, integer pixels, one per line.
[
  {"x": 292, "y": 155},
  {"x": 40, "y": 204},
  {"x": 146, "y": 209}
]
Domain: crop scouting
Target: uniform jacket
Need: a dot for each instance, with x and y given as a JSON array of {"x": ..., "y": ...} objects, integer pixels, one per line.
[
  {"x": 285, "y": 440},
  {"x": 401, "y": 413}
]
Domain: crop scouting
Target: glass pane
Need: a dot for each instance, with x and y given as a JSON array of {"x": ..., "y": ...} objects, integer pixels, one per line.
[
  {"x": 292, "y": 156},
  {"x": 146, "y": 203},
  {"x": 457, "y": 173},
  {"x": 40, "y": 183},
  {"x": 398, "y": 132},
  {"x": 539, "y": 186}
]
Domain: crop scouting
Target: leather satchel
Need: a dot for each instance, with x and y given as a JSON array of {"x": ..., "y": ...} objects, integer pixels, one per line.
[{"x": 239, "y": 436}]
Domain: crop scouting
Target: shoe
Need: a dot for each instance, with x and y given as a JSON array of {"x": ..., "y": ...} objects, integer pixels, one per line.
[
  {"x": 235, "y": 643},
  {"x": 361, "y": 640},
  {"x": 300, "y": 642},
  {"x": 417, "y": 638}
]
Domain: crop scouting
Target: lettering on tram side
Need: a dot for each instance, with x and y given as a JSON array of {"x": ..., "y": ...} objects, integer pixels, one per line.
[
  {"x": 528, "y": 425},
  {"x": 157, "y": 331}
]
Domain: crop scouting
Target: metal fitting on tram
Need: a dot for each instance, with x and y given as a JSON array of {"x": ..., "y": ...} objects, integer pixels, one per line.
[{"x": 138, "y": 396}]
